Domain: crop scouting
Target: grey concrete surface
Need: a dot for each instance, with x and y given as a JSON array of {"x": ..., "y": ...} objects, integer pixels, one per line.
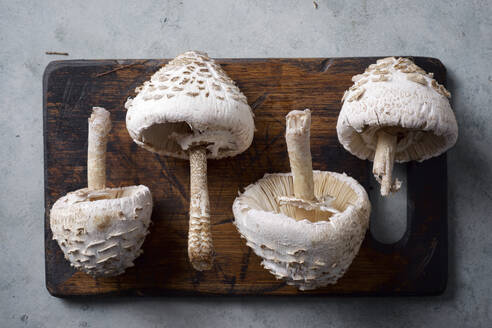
[{"x": 457, "y": 32}]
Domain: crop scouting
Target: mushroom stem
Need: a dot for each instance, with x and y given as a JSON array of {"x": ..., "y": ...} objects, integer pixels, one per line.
[
  {"x": 99, "y": 127},
  {"x": 200, "y": 246},
  {"x": 383, "y": 162},
  {"x": 297, "y": 136}
]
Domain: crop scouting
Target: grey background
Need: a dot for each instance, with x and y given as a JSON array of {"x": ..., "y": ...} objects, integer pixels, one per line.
[{"x": 457, "y": 32}]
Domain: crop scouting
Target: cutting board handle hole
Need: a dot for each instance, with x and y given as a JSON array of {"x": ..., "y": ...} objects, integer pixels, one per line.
[{"x": 389, "y": 214}]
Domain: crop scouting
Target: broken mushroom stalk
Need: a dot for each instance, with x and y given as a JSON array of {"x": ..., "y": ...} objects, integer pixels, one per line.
[
  {"x": 306, "y": 225},
  {"x": 297, "y": 137},
  {"x": 396, "y": 112},
  {"x": 191, "y": 109},
  {"x": 101, "y": 230},
  {"x": 384, "y": 157}
]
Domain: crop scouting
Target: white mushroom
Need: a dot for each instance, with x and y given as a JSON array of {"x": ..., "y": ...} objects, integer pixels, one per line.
[
  {"x": 306, "y": 225},
  {"x": 101, "y": 230},
  {"x": 191, "y": 109},
  {"x": 400, "y": 114}
]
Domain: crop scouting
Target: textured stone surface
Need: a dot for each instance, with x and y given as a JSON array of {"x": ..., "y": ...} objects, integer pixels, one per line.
[{"x": 457, "y": 32}]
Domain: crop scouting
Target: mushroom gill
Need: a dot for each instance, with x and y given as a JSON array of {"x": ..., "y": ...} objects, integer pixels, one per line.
[{"x": 264, "y": 194}]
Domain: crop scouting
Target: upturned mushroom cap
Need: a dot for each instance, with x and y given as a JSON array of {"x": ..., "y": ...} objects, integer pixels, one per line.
[
  {"x": 306, "y": 254},
  {"x": 396, "y": 93},
  {"x": 101, "y": 231},
  {"x": 190, "y": 101}
]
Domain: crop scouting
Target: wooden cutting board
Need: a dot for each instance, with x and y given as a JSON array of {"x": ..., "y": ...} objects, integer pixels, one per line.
[{"x": 416, "y": 265}]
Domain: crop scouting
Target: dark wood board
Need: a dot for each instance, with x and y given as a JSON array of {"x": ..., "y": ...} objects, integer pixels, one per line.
[{"x": 416, "y": 265}]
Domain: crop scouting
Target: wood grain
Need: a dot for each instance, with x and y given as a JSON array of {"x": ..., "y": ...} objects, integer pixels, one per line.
[{"x": 416, "y": 265}]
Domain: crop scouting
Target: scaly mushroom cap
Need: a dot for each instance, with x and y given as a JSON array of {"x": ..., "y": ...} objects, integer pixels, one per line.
[
  {"x": 306, "y": 254},
  {"x": 101, "y": 231},
  {"x": 396, "y": 93},
  {"x": 190, "y": 101}
]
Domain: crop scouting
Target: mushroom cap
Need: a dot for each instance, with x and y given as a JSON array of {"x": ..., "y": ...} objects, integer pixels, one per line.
[
  {"x": 101, "y": 232},
  {"x": 396, "y": 93},
  {"x": 190, "y": 101},
  {"x": 306, "y": 254}
]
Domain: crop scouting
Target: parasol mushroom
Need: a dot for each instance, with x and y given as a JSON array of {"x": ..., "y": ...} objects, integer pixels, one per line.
[
  {"x": 395, "y": 111},
  {"x": 306, "y": 225},
  {"x": 191, "y": 109},
  {"x": 101, "y": 230}
]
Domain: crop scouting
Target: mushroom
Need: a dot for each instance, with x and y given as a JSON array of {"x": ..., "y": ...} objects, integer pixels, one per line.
[
  {"x": 395, "y": 111},
  {"x": 191, "y": 109},
  {"x": 100, "y": 230},
  {"x": 306, "y": 225}
]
